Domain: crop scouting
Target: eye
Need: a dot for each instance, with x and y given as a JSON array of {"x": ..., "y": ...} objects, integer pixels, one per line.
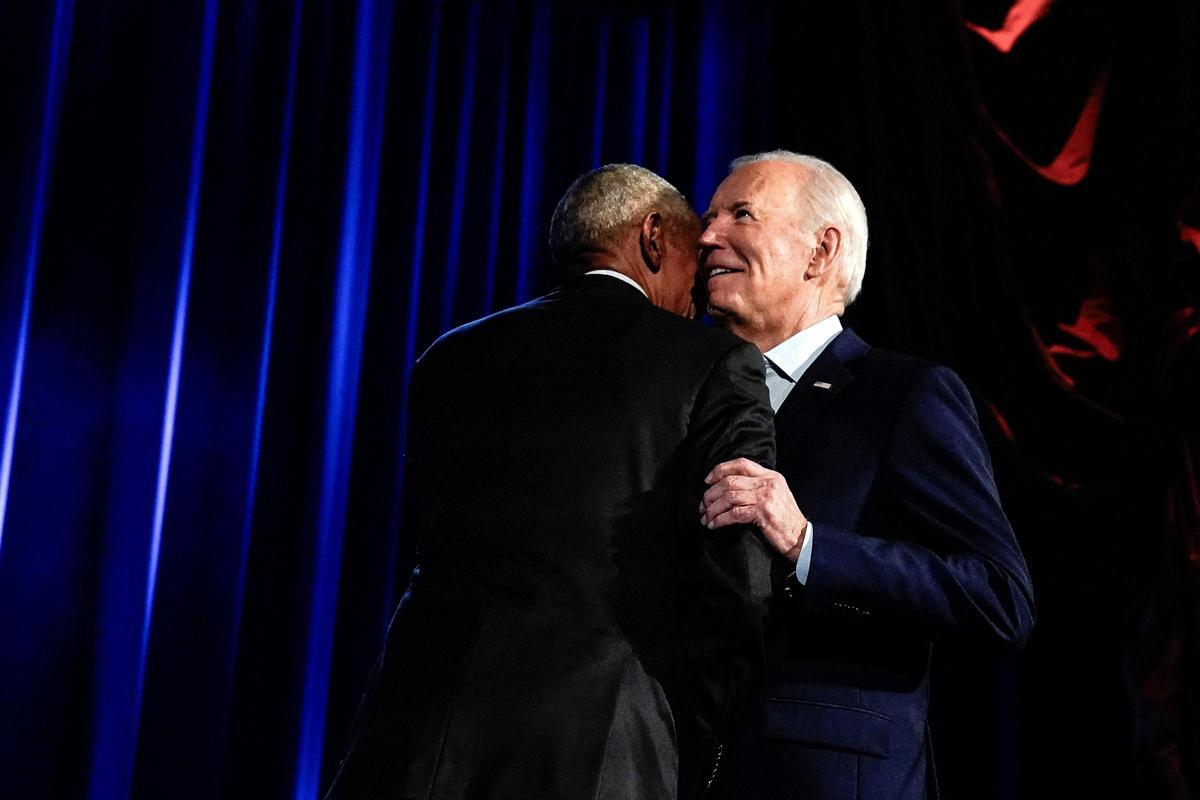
[{"x": 742, "y": 213}]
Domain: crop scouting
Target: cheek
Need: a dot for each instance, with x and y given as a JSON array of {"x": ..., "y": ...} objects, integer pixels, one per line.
[
  {"x": 687, "y": 262},
  {"x": 787, "y": 267}
]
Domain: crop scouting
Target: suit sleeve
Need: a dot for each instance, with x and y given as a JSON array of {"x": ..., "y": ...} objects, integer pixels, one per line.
[
  {"x": 952, "y": 567},
  {"x": 724, "y": 575}
]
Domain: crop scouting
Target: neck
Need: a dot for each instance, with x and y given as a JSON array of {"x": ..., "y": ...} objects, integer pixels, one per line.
[
  {"x": 767, "y": 339},
  {"x": 612, "y": 261}
]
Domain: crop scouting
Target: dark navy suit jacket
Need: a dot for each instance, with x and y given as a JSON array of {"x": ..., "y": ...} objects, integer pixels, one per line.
[{"x": 911, "y": 546}]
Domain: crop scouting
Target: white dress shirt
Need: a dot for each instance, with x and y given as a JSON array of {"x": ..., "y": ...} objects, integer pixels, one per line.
[{"x": 785, "y": 363}]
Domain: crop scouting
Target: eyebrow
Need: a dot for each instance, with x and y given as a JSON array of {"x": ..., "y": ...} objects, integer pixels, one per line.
[{"x": 708, "y": 215}]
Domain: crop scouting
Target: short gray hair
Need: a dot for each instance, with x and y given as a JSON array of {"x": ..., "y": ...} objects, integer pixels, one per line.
[
  {"x": 834, "y": 201},
  {"x": 600, "y": 203}
]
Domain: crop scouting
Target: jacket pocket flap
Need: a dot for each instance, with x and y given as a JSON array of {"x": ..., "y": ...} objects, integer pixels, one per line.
[{"x": 860, "y": 730}]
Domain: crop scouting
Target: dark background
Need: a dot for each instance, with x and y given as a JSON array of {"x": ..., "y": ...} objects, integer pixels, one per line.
[{"x": 227, "y": 229}]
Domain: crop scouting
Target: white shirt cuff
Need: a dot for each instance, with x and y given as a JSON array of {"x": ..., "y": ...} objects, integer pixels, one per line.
[{"x": 805, "y": 560}]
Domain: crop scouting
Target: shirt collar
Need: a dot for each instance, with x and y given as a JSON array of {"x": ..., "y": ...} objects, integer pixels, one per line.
[
  {"x": 614, "y": 274},
  {"x": 797, "y": 353}
]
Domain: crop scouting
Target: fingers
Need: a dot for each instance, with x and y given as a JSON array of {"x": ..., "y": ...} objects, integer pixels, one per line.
[
  {"x": 738, "y": 515},
  {"x": 726, "y": 501},
  {"x": 732, "y": 490},
  {"x": 738, "y": 466},
  {"x": 728, "y": 484},
  {"x": 743, "y": 493}
]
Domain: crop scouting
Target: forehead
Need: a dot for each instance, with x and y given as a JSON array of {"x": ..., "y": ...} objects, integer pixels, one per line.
[{"x": 763, "y": 183}]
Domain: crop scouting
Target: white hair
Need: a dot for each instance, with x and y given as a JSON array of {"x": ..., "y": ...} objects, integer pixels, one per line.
[
  {"x": 600, "y": 203},
  {"x": 834, "y": 201}
]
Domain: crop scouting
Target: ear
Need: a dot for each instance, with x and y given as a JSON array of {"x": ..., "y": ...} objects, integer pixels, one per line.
[
  {"x": 651, "y": 240},
  {"x": 827, "y": 251}
]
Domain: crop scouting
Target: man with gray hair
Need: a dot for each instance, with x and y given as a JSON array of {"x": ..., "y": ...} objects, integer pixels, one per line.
[
  {"x": 572, "y": 630},
  {"x": 883, "y": 512}
]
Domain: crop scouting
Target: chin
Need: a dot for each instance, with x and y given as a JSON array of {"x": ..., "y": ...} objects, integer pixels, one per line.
[{"x": 719, "y": 315}]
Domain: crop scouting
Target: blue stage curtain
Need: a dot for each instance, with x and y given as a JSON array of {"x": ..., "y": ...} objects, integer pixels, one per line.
[{"x": 228, "y": 229}]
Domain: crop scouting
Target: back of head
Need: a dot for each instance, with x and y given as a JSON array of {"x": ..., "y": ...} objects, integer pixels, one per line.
[
  {"x": 604, "y": 205},
  {"x": 834, "y": 201}
]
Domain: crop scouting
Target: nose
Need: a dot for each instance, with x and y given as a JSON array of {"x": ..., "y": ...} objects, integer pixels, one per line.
[{"x": 710, "y": 237}]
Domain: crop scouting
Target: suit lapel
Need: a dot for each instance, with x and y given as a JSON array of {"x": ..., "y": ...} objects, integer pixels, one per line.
[{"x": 817, "y": 388}]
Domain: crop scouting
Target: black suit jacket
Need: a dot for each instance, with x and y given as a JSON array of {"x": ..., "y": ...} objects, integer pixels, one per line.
[
  {"x": 570, "y": 616},
  {"x": 910, "y": 546}
]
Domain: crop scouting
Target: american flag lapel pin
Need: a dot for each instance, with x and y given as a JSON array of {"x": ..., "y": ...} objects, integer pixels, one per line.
[{"x": 823, "y": 385}]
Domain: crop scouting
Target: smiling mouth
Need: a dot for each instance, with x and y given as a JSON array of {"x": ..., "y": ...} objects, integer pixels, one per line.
[{"x": 715, "y": 271}]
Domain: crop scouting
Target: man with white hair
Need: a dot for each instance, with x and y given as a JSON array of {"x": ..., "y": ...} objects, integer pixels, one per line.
[
  {"x": 883, "y": 511},
  {"x": 572, "y": 630}
]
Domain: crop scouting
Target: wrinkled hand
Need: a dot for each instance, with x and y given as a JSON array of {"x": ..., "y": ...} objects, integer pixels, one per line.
[{"x": 742, "y": 492}]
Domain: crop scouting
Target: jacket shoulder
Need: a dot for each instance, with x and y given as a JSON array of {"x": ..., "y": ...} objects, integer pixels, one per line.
[
  {"x": 644, "y": 327},
  {"x": 469, "y": 335},
  {"x": 698, "y": 336},
  {"x": 904, "y": 371}
]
